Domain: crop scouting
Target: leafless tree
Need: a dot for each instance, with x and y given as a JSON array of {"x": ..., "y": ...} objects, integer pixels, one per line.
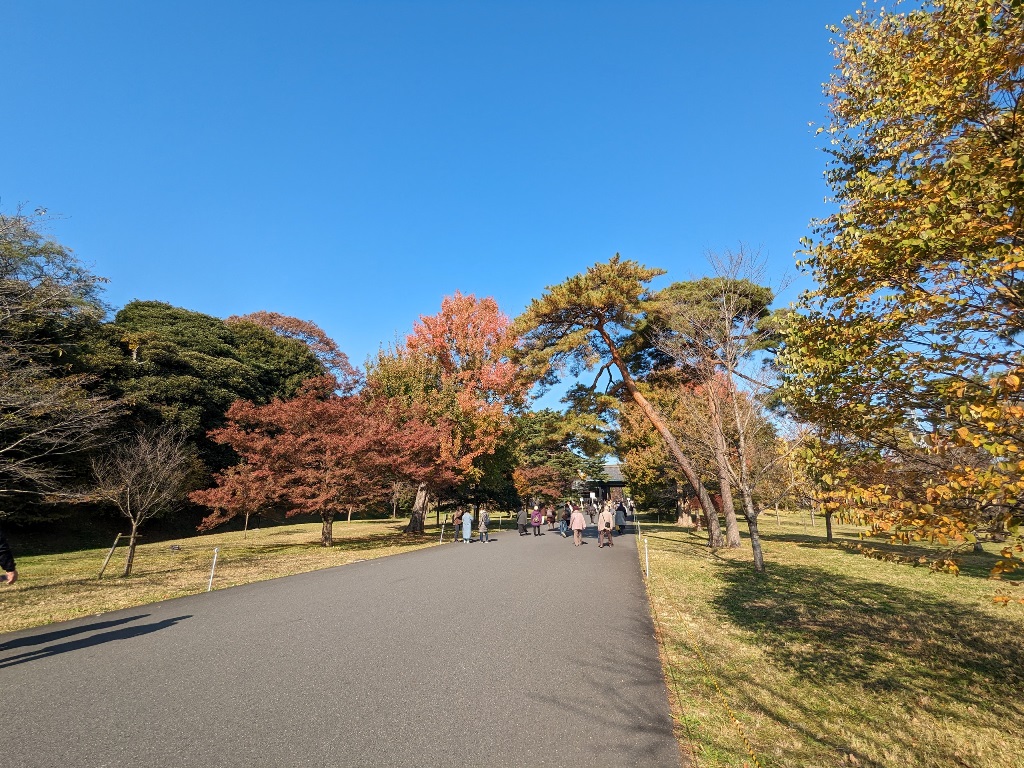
[
  {"x": 716, "y": 330},
  {"x": 144, "y": 476}
]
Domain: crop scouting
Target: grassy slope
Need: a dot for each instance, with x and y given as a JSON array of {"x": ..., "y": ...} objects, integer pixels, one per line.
[
  {"x": 55, "y": 587},
  {"x": 833, "y": 659}
]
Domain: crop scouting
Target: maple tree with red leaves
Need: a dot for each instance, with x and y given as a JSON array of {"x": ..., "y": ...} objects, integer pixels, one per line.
[
  {"x": 454, "y": 368},
  {"x": 320, "y": 453},
  {"x": 242, "y": 490}
]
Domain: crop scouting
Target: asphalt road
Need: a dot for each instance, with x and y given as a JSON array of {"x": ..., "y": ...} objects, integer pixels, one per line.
[{"x": 523, "y": 652}]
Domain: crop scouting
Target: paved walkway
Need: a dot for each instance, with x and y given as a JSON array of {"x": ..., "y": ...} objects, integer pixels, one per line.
[{"x": 523, "y": 652}]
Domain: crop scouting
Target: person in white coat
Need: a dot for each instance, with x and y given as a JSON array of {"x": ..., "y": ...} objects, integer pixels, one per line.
[{"x": 605, "y": 521}]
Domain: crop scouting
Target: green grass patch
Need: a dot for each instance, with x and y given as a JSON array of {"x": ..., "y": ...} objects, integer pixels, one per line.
[
  {"x": 835, "y": 659},
  {"x": 64, "y": 585}
]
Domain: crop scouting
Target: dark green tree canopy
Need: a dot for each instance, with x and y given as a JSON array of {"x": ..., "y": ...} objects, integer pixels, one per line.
[{"x": 184, "y": 368}]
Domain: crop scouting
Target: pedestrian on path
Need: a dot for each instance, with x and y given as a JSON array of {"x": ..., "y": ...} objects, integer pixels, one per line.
[
  {"x": 605, "y": 520},
  {"x": 536, "y": 518},
  {"x": 7, "y": 561},
  {"x": 467, "y": 526},
  {"x": 620, "y": 517},
  {"x": 577, "y": 522},
  {"x": 482, "y": 524},
  {"x": 522, "y": 521},
  {"x": 563, "y": 521}
]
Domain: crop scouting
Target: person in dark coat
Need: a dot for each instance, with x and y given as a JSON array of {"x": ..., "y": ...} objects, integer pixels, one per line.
[
  {"x": 7, "y": 561},
  {"x": 522, "y": 521}
]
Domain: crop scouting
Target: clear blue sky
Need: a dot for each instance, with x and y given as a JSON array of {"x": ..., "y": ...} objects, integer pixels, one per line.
[{"x": 351, "y": 163}]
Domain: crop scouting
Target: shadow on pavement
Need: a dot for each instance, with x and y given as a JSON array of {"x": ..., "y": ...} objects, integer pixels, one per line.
[
  {"x": 47, "y": 637},
  {"x": 87, "y": 642}
]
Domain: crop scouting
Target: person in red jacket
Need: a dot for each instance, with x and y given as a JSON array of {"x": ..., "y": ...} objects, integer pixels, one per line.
[{"x": 7, "y": 561}]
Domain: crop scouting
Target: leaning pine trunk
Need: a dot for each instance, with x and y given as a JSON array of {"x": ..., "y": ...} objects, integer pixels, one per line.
[
  {"x": 327, "y": 530},
  {"x": 689, "y": 472}
]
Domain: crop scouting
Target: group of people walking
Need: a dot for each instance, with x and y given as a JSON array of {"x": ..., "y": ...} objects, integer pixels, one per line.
[{"x": 610, "y": 519}]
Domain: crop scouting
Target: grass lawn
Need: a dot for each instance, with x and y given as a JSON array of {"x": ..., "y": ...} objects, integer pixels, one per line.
[
  {"x": 55, "y": 587},
  {"x": 834, "y": 659}
]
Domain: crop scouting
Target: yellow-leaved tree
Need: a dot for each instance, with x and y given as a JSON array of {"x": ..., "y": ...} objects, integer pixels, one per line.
[{"x": 909, "y": 351}]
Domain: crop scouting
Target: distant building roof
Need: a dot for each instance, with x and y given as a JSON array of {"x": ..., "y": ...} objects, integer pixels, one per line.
[{"x": 613, "y": 473}]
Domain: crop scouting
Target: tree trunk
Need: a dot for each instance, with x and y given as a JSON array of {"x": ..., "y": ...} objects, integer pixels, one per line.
[
  {"x": 245, "y": 530},
  {"x": 327, "y": 529},
  {"x": 732, "y": 528},
  {"x": 710, "y": 513},
  {"x": 684, "y": 517},
  {"x": 419, "y": 511},
  {"x": 755, "y": 541},
  {"x": 750, "y": 508},
  {"x": 348, "y": 509},
  {"x": 828, "y": 525},
  {"x": 751, "y": 512},
  {"x": 132, "y": 541}
]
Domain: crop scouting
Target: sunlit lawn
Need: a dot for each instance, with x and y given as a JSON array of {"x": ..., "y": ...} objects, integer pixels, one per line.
[
  {"x": 834, "y": 659},
  {"x": 54, "y": 587}
]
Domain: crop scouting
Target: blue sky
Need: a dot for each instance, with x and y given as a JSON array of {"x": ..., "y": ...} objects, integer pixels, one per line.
[{"x": 351, "y": 163}]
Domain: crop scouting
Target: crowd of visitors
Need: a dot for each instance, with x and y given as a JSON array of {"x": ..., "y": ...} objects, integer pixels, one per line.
[{"x": 609, "y": 517}]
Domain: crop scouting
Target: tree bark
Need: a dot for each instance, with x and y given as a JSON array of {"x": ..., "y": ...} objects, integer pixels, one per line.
[
  {"x": 710, "y": 513},
  {"x": 419, "y": 511},
  {"x": 828, "y": 525},
  {"x": 750, "y": 508},
  {"x": 132, "y": 540},
  {"x": 755, "y": 541},
  {"x": 327, "y": 529},
  {"x": 732, "y": 528}
]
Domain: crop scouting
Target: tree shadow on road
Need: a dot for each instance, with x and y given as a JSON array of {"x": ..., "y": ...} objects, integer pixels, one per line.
[
  {"x": 88, "y": 642},
  {"x": 39, "y": 638}
]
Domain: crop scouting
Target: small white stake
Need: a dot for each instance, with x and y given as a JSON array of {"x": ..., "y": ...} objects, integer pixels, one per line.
[{"x": 213, "y": 568}]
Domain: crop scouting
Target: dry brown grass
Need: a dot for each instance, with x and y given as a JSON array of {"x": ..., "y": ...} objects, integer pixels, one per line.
[
  {"x": 833, "y": 659},
  {"x": 55, "y": 587}
]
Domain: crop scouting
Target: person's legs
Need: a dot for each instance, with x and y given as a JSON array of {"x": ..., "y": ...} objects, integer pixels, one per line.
[{"x": 577, "y": 536}]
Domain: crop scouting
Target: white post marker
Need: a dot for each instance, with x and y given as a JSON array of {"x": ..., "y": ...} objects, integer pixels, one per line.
[
  {"x": 439, "y": 541},
  {"x": 213, "y": 568}
]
